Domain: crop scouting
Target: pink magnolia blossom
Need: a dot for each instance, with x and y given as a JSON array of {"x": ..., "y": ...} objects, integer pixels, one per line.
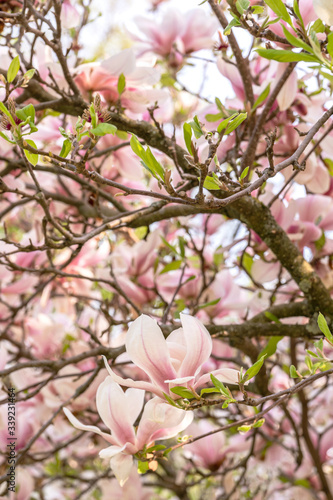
[
  {"x": 119, "y": 410},
  {"x": 103, "y": 78},
  {"x": 171, "y": 362},
  {"x": 175, "y": 34}
]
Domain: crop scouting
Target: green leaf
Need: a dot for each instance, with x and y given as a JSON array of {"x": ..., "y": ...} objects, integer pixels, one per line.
[
  {"x": 6, "y": 112},
  {"x": 298, "y": 13},
  {"x": 143, "y": 467},
  {"x": 271, "y": 347},
  {"x": 153, "y": 164},
  {"x": 318, "y": 26},
  {"x": 280, "y": 10},
  {"x": 183, "y": 392},
  {"x": 262, "y": 97},
  {"x": 329, "y": 46},
  {"x": 187, "y": 129},
  {"x": 286, "y": 55},
  {"x": 172, "y": 266},
  {"x": 196, "y": 127},
  {"x": 234, "y": 22},
  {"x": 211, "y": 118},
  {"x": 253, "y": 370},
  {"x": 323, "y": 327},
  {"x": 137, "y": 148},
  {"x": 211, "y": 184},
  {"x": 31, "y": 157},
  {"x": 210, "y": 390},
  {"x": 244, "y": 428},
  {"x": 170, "y": 400},
  {"x": 235, "y": 123},
  {"x": 296, "y": 42},
  {"x": 293, "y": 372},
  {"x": 13, "y": 69},
  {"x": 222, "y": 388},
  {"x": 259, "y": 423},
  {"x": 29, "y": 74},
  {"x": 66, "y": 147},
  {"x": 121, "y": 84},
  {"x": 103, "y": 129},
  {"x": 167, "y": 80},
  {"x": 272, "y": 317},
  {"x": 257, "y": 9},
  {"x": 157, "y": 447},
  {"x": 26, "y": 112},
  {"x": 225, "y": 122},
  {"x": 4, "y": 136},
  {"x": 244, "y": 173},
  {"x": 208, "y": 304},
  {"x": 247, "y": 262}
]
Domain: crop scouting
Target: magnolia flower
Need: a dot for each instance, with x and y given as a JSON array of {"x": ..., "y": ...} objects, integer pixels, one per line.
[
  {"x": 171, "y": 362},
  {"x": 119, "y": 410},
  {"x": 324, "y": 10}
]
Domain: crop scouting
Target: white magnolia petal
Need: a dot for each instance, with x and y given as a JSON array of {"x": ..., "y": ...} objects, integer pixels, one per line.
[
  {"x": 90, "y": 428},
  {"x": 198, "y": 343},
  {"x": 147, "y": 348},
  {"x": 121, "y": 465}
]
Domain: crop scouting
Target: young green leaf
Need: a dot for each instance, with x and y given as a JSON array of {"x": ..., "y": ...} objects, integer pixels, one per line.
[
  {"x": 121, "y": 84},
  {"x": 170, "y": 400},
  {"x": 211, "y": 118},
  {"x": 143, "y": 467},
  {"x": 13, "y": 69},
  {"x": 4, "y": 136},
  {"x": 323, "y": 326},
  {"x": 31, "y": 157},
  {"x": 259, "y": 423},
  {"x": 196, "y": 127},
  {"x": 286, "y": 55},
  {"x": 254, "y": 369},
  {"x": 6, "y": 112},
  {"x": 235, "y": 123},
  {"x": 103, "y": 129},
  {"x": 262, "y": 97},
  {"x": 293, "y": 372},
  {"x": 296, "y": 42},
  {"x": 66, "y": 147},
  {"x": 209, "y": 304},
  {"x": 244, "y": 173},
  {"x": 298, "y": 13},
  {"x": 26, "y": 112},
  {"x": 271, "y": 347},
  {"x": 211, "y": 184},
  {"x": 172, "y": 266},
  {"x": 222, "y": 388},
  {"x": 234, "y": 22},
  {"x": 244, "y": 428},
  {"x": 329, "y": 46},
  {"x": 280, "y": 10},
  {"x": 225, "y": 122},
  {"x": 183, "y": 392},
  {"x": 188, "y": 137}
]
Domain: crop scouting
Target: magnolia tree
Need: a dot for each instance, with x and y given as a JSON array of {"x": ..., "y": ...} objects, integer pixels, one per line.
[{"x": 166, "y": 255}]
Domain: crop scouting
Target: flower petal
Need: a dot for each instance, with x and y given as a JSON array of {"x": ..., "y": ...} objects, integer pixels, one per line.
[
  {"x": 119, "y": 410},
  {"x": 147, "y": 348},
  {"x": 121, "y": 465},
  {"x": 198, "y": 345},
  {"x": 90, "y": 428}
]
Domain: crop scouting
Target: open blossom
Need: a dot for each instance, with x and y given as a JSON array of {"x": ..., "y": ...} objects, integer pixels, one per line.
[
  {"x": 119, "y": 410},
  {"x": 171, "y": 362},
  {"x": 103, "y": 78},
  {"x": 175, "y": 34}
]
